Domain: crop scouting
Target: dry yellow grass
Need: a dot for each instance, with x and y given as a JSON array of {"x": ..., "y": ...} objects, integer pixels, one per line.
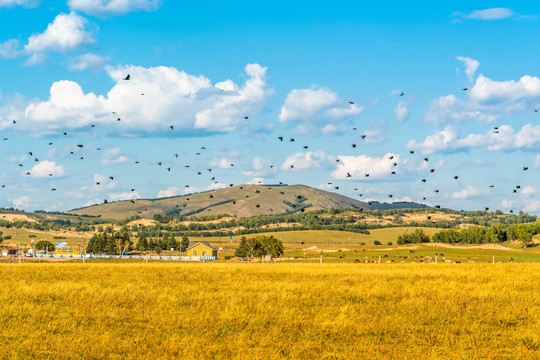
[{"x": 272, "y": 311}]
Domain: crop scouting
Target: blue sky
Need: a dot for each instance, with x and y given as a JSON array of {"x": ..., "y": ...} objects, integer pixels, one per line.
[{"x": 328, "y": 75}]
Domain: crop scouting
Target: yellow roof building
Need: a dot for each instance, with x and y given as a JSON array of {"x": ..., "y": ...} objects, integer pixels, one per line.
[{"x": 201, "y": 249}]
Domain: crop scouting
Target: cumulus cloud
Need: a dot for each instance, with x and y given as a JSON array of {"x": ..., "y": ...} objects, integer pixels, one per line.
[
  {"x": 359, "y": 166},
  {"x": 373, "y": 136},
  {"x": 88, "y": 61},
  {"x": 468, "y": 192},
  {"x": 25, "y": 3},
  {"x": 471, "y": 65},
  {"x": 113, "y": 157},
  {"x": 195, "y": 189},
  {"x": 256, "y": 181},
  {"x": 313, "y": 107},
  {"x": 44, "y": 168},
  {"x": 505, "y": 139},
  {"x": 151, "y": 101},
  {"x": 402, "y": 110},
  {"x": 488, "y": 100},
  {"x": 486, "y": 14},
  {"x": 112, "y": 7},
  {"x": 260, "y": 167},
  {"x": 21, "y": 202},
  {"x": 536, "y": 161},
  {"x": 307, "y": 161},
  {"x": 128, "y": 195},
  {"x": 67, "y": 32},
  {"x": 528, "y": 190},
  {"x": 170, "y": 191}
]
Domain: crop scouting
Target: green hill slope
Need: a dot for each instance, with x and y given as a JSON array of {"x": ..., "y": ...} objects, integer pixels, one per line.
[{"x": 240, "y": 201}]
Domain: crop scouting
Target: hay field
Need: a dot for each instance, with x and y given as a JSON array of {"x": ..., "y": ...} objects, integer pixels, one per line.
[{"x": 270, "y": 311}]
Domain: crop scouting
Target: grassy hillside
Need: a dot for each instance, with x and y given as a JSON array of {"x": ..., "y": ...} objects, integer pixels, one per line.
[{"x": 240, "y": 201}]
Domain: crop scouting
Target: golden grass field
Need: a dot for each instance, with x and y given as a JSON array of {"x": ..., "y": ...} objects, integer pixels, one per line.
[{"x": 269, "y": 311}]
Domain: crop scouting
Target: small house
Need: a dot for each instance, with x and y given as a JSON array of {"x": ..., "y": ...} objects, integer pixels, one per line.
[{"x": 201, "y": 249}]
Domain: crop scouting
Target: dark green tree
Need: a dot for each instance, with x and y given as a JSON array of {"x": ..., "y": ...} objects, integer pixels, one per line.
[
  {"x": 142, "y": 243},
  {"x": 185, "y": 243},
  {"x": 45, "y": 245}
]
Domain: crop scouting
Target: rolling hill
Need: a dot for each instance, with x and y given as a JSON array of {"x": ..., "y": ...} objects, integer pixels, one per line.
[{"x": 240, "y": 201}]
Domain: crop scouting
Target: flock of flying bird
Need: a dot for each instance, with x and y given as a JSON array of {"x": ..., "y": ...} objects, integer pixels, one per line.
[{"x": 280, "y": 139}]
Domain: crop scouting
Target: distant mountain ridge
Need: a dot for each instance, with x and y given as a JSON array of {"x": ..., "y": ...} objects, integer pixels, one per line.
[{"x": 239, "y": 201}]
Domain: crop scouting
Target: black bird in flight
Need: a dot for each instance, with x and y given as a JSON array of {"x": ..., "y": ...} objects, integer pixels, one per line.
[
  {"x": 128, "y": 77},
  {"x": 280, "y": 138},
  {"x": 402, "y": 93}
]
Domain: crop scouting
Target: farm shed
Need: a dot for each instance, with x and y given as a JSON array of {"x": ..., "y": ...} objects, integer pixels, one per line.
[{"x": 201, "y": 249}]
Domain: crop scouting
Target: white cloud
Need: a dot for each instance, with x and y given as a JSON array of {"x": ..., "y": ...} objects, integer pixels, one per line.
[
  {"x": 508, "y": 204},
  {"x": 505, "y": 139},
  {"x": 402, "y": 110},
  {"x": 487, "y": 14},
  {"x": 468, "y": 192},
  {"x": 532, "y": 206},
  {"x": 307, "y": 161},
  {"x": 536, "y": 161},
  {"x": 331, "y": 129},
  {"x": 195, "y": 189},
  {"x": 112, "y": 157},
  {"x": 129, "y": 195},
  {"x": 21, "y": 202},
  {"x": 488, "y": 100},
  {"x": 327, "y": 186},
  {"x": 311, "y": 107},
  {"x": 228, "y": 161},
  {"x": 359, "y": 166},
  {"x": 88, "y": 61},
  {"x": 528, "y": 190},
  {"x": 260, "y": 167},
  {"x": 105, "y": 183},
  {"x": 487, "y": 90},
  {"x": 112, "y": 7},
  {"x": 171, "y": 98},
  {"x": 171, "y": 191},
  {"x": 471, "y": 65},
  {"x": 256, "y": 181},
  {"x": 25, "y": 3},
  {"x": 67, "y": 32},
  {"x": 44, "y": 168},
  {"x": 373, "y": 136}
]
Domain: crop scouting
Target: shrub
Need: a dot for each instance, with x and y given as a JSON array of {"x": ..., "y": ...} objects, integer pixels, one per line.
[
  {"x": 45, "y": 245},
  {"x": 376, "y": 242},
  {"x": 390, "y": 243}
]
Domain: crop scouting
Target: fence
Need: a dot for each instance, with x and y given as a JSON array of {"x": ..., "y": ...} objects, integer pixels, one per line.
[{"x": 140, "y": 256}]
